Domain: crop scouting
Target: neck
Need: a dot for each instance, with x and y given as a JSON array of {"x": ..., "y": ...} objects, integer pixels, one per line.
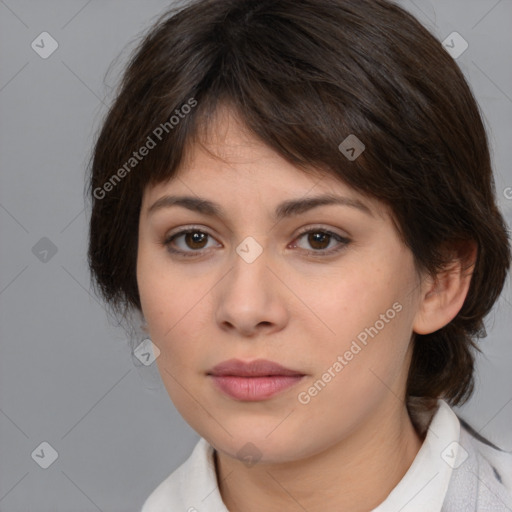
[{"x": 356, "y": 474}]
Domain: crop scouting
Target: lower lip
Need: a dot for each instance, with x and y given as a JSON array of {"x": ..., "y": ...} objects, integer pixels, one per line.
[{"x": 253, "y": 389}]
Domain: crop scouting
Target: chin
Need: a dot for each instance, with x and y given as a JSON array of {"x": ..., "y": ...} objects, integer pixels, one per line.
[{"x": 256, "y": 445}]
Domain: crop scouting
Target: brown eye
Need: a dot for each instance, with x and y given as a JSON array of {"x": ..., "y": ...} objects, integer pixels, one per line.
[
  {"x": 189, "y": 242},
  {"x": 320, "y": 239},
  {"x": 195, "y": 239},
  {"x": 193, "y": 242}
]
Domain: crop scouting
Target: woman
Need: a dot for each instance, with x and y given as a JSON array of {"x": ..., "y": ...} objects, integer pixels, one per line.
[{"x": 297, "y": 196}]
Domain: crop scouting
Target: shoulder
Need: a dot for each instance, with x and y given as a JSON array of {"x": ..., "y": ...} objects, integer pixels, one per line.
[
  {"x": 488, "y": 467},
  {"x": 478, "y": 473},
  {"x": 498, "y": 459},
  {"x": 472, "y": 446}
]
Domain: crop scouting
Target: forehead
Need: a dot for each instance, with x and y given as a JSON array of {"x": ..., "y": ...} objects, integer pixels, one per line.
[{"x": 226, "y": 160}]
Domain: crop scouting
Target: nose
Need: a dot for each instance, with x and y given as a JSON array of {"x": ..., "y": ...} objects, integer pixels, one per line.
[{"x": 251, "y": 299}]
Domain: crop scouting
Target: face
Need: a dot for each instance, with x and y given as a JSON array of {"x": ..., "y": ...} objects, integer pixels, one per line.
[{"x": 327, "y": 291}]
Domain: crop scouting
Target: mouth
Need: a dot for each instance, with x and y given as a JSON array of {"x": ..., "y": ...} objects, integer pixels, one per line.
[{"x": 253, "y": 381}]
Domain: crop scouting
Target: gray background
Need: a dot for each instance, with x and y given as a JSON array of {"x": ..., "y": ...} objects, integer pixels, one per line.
[{"x": 67, "y": 376}]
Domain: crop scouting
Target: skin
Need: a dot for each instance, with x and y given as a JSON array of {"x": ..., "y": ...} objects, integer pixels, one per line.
[{"x": 353, "y": 442}]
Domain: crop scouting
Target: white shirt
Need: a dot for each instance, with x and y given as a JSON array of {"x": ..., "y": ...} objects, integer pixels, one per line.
[{"x": 454, "y": 471}]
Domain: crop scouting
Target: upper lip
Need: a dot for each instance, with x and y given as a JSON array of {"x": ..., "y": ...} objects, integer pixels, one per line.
[{"x": 256, "y": 368}]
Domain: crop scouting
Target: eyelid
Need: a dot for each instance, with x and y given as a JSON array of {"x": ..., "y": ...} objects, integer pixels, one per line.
[
  {"x": 320, "y": 227},
  {"x": 301, "y": 231},
  {"x": 185, "y": 228}
]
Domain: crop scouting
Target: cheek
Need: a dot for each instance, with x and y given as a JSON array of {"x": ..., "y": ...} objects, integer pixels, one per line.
[
  {"x": 366, "y": 319},
  {"x": 163, "y": 292},
  {"x": 172, "y": 308},
  {"x": 169, "y": 312},
  {"x": 352, "y": 377},
  {"x": 343, "y": 304},
  {"x": 158, "y": 291},
  {"x": 175, "y": 311}
]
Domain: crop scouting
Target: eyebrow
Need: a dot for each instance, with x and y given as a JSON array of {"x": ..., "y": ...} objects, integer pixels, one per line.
[{"x": 285, "y": 209}]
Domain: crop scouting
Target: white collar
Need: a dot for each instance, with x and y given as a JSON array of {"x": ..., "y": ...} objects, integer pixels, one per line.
[
  {"x": 193, "y": 486},
  {"x": 423, "y": 488}
]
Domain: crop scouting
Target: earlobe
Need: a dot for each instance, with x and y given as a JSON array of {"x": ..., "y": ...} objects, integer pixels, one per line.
[
  {"x": 144, "y": 326},
  {"x": 443, "y": 296}
]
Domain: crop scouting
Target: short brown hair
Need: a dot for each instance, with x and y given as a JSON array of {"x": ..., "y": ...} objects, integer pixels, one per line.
[{"x": 302, "y": 75}]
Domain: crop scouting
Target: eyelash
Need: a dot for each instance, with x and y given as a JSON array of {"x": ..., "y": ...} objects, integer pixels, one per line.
[{"x": 322, "y": 253}]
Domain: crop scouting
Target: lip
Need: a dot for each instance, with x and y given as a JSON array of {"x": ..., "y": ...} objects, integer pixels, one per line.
[
  {"x": 253, "y": 381},
  {"x": 256, "y": 368}
]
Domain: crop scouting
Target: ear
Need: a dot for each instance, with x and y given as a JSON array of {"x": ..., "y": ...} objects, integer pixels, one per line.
[
  {"x": 144, "y": 327},
  {"x": 443, "y": 296}
]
